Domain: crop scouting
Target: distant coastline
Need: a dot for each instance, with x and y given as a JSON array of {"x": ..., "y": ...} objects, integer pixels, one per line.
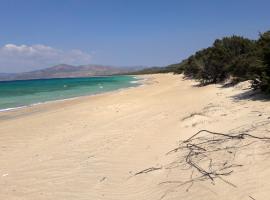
[{"x": 70, "y": 71}]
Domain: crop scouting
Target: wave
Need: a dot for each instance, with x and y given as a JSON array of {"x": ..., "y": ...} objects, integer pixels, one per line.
[{"x": 134, "y": 82}]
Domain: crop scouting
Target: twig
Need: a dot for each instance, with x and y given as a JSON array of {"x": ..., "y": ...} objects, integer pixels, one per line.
[{"x": 145, "y": 171}]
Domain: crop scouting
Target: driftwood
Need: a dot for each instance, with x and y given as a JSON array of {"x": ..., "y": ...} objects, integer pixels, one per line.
[{"x": 210, "y": 155}]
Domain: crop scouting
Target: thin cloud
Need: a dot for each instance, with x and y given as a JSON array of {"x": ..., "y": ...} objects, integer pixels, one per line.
[{"x": 18, "y": 58}]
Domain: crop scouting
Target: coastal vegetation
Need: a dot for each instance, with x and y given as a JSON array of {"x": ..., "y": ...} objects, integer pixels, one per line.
[{"x": 235, "y": 58}]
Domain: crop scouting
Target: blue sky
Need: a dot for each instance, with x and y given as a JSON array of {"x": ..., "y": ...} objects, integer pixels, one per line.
[{"x": 39, "y": 33}]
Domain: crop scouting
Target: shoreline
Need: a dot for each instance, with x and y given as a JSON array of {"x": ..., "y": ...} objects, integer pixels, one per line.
[
  {"x": 139, "y": 81},
  {"x": 113, "y": 146}
]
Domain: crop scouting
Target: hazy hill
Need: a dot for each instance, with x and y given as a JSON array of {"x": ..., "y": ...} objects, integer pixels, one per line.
[{"x": 63, "y": 70}]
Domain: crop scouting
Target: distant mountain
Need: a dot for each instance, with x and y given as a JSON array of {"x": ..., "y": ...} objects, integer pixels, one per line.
[
  {"x": 6, "y": 76},
  {"x": 64, "y": 71}
]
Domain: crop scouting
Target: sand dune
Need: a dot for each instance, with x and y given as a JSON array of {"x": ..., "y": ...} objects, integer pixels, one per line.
[{"x": 95, "y": 147}]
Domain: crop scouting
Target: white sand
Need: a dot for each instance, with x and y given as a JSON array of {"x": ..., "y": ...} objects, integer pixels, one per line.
[{"x": 91, "y": 147}]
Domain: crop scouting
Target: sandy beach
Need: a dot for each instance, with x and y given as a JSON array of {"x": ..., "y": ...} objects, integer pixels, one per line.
[{"x": 114, "y": 146}]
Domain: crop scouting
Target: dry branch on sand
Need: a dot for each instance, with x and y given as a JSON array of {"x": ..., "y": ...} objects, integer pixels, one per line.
[
  {"x": 212, "y": 155},
  {"x": 145, "y": 171},
  {"x": 201, "y": 154}
]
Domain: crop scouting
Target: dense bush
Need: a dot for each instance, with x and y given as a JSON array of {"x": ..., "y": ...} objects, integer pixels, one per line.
[
  {"x": 214, "y": 64},
  {"x": 236, "y": 57},
  {"x": 262, "y": 76},
  {"x": 233, "y": 57}
]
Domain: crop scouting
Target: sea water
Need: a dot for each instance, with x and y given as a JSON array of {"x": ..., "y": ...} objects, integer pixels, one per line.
[{"x": 14, "y": 94}]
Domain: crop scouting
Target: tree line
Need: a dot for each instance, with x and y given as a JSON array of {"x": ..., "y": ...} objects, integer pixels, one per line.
[{"x": 235, "y": 58}]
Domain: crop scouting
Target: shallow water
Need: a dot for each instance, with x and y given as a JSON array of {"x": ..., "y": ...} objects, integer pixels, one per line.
[{"x": 20, "y": 93}]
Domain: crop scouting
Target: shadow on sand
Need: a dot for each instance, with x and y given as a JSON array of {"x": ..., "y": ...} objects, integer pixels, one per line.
[{"x": 254, "y": 95}]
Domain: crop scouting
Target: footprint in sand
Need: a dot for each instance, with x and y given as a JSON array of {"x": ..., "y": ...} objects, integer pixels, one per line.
[{"x": 194, "y": 119}]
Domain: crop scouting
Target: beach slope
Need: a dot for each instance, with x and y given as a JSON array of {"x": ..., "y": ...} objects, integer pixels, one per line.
[{"x": 115, "y": 146}]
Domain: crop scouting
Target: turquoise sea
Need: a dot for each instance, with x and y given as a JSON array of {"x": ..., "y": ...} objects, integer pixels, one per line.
[{"x": 21, "y": 93}]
